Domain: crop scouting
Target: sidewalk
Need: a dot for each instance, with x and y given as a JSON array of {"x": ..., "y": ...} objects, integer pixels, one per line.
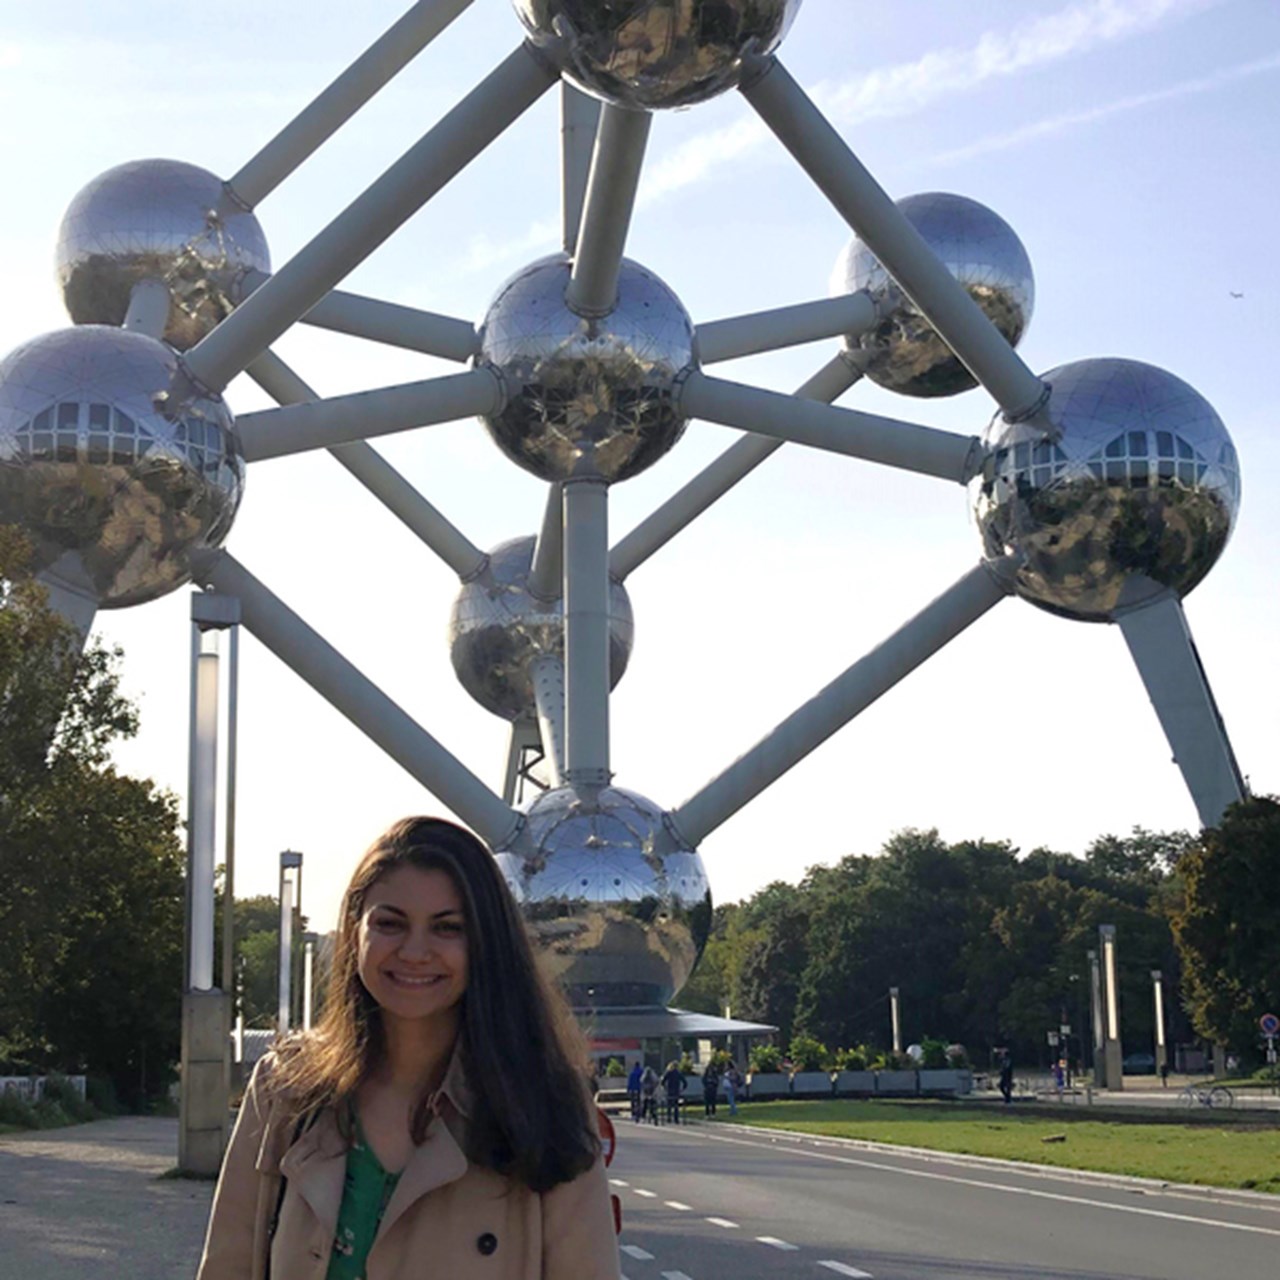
[{"x": 86, "y": 1203}]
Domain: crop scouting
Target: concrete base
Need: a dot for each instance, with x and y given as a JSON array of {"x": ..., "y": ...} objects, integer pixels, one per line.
[
  {"x": 205, "y": 1099},
  {"x": 1114, "y": 1066}
]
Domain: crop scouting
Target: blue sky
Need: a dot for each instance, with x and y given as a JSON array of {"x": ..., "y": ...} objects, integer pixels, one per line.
[{"x": 1130, "y": 143}]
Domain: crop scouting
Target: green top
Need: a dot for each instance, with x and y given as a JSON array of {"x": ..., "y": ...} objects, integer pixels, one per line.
[{"x": 366, "y": 1192}]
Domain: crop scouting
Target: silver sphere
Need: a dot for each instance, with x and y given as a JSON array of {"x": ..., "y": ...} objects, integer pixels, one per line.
[
  {"x": 600, "y": 391},
  {"x": 618, "y": 908},
  {"x": 1135, "y": 490},
  {"x": 95, "y": 462},
  {"x": 903, "y": 352},
  {"x": 656, "y": 53},
  {"x": 498, "y": 631},
  {"x": 158, "y": 220}
]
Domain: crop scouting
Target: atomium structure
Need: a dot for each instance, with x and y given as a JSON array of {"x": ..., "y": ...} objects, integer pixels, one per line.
[{"x": 1104, "y": 490}]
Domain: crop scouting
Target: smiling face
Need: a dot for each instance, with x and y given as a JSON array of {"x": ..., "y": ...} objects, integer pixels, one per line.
[{"x": 413, "y": 944}]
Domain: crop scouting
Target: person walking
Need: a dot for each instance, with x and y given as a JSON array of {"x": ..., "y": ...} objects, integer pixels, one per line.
[
  {"x": 437, "y": 1115},
  {"x": 710, "y": 1088},
  {"x": 1006, "y": 1077},
  {"x": 649, "y": 1095},
  {"x": 673, "y": 1080},
  {"x": 733, "y": 1086},
  {"x": 633, "y": 1089}
]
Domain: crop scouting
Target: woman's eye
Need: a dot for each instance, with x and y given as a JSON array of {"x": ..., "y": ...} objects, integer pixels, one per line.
[
  {"x": 386, "y": 925},
  {"x": 450, "y": 927}
]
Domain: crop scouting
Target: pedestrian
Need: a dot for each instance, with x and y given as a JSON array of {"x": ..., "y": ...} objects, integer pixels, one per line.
[
  {"x": 1006, "y": 1077},
  {"x": 633, "y": 1089},
  {"x": 649, "y": 1095},
  {"x": 710, "y": 1087},
  {"x": 733, "y": 1084},
  {"x": 673, "y": 1080},
  {"x": 437, "y": 1112}
]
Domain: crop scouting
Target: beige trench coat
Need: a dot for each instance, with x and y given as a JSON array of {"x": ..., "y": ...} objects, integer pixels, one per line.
[{"x": 448, "y": 1219}]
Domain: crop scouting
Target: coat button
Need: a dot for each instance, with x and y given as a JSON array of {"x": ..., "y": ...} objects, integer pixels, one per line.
[{"x": 487, "y": 1243}]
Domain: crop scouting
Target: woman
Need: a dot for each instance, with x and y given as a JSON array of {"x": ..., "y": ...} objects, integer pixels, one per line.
[{"x": 435, "y": 1123}]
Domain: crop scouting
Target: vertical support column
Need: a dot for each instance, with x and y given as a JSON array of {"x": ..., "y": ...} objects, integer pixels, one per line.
[
  {"x": 1157, "y": 991},
  {"x": 1095, "y": 1018},
  {"x": 579, "y": 121},
  {"x": 896, "y": 1015},
  {"x": 1113, "y": 1067},
  {"x": 202, "y": 812},
  {"x": 290, "y": 899},
  {"x": 308, "y": 978},
  {"x": 586, "y": 624}
]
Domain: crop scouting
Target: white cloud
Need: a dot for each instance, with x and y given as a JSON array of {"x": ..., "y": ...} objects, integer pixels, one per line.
[
  {"x": 10, "y": 55},
  {"x": 912, "y": 86}
]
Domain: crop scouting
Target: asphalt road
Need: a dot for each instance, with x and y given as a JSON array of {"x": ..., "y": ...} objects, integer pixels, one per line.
[{"x": 713, "y": 1203}]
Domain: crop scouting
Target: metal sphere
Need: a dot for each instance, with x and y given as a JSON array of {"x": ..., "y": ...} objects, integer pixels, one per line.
[
  {"x": 659, "y": 53},
  {"x": 498, "y": 631},
  {"x": 158, "y": 220},
  {"x": 596, "y": 391},
  {"x": 903, "y": 352},
  {"x": 95, "y": 461},
  {"x": 620, "y": 910},
  {"x": 1134, "y": 490}
]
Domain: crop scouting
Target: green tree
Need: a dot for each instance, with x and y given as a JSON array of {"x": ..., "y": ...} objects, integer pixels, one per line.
[
  {"x": 91, "y": 888},
  {"x": 1227, "y": 927}
]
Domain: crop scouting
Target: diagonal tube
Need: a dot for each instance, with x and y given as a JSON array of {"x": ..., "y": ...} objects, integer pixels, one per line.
[
  {"x": 579, "y": 123},
  {"x": 845, "y": 316},
  {"x": 378, "y": 475},
  {"x": 546, "y": 572},
  {"x": 148, "y": 308},
  {"x": 354, "y": 234},
  {"x": 906, "y": 445},
  {"x": 863, "y": 204},
  {"x": 812, "y": 724},
  {"x": 715, "y": 480},
  {"x": 548, "y": 695},
  {"x": 362, "y": 702},
  {"x": 387, "y": 322},
  {"x": 327, "y": 113},
  {"x": 606, "y": 214},
  {"x": 296, "y": 428}
]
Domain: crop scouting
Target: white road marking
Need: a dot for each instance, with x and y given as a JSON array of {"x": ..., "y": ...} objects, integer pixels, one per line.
[
  {"x": 618, "y": 1182},
  {"x": 675, "y": 1204},
  {"x": 636, "y": 1252},
  {"x": 996, "y": 1186},
  {"x": 723, "y": 1222},
  {"x": 675, "y": 1275},
  {"x": 778, "y": 1244},
  {"x": 843, "y": 1269},
  {"x": 648, "y": 1195}
]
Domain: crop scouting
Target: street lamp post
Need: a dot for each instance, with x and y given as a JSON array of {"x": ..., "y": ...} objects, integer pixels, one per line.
[
  {"x": 895, "y": 1014},
  {"x": 290, "y": 900},
  {"x": 1157, "y": 989},
  {"x": 309, "y": 941},
  {"x": 1095, "y": 1012},
  {"x": 1113, "y": 1065}
]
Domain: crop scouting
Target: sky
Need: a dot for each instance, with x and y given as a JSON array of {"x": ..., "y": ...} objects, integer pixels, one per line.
[{"x": 1130, "y": 143}]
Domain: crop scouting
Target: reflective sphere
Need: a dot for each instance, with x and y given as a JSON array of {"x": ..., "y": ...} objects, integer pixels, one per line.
[
  {"x": 498, "y": 631},
  {"x": 1136, "y": 490},
  {"x": 620, "y": 911},
  {"x": 903, "y": 352},
  {"x": 575, "y": 387},
  {"x": 94, "y": 461},
  {"x": 157, "y": 220},
  {"x": 655, "y": 53}
]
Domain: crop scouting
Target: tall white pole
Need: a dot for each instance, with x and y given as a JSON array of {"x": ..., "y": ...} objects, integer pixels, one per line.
[
  {"x": 579, "y": 121},
  {"x": 1157, "y": 991},
  {"x": 1095, "y": 1015},
  {"x": 896, "y": 1014},
  {"x": 308, "y": 978},
  {"x": 203, "y": 812},
  {"x": 1113, "y": 1054},
  {"x": 286, "y": 954}
]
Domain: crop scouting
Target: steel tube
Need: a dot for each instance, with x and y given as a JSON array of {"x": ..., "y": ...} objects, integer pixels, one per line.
[
  {"x": 229, "y": 801},
  {"x": 365, "y": 705},
  {"x": 71, "y": 594},
  {"x": 148, "y": 309},
  {"x": 846, "y": 316},
  {"x": 906, "y": 445},
  {"x": 547, "y": 569},
  {"x": 548, "y": 695},
  {"x": 377, "y": 475},
  {"x": 327, "y": 113},
  {"x": 284, "y": 1002},
  {"x": 340, "y": 420},
  {"x": 394, "y": 325},
  {"x": 356, "y": 232},
  {"x": 586, "y": 627},
  {"x": 859, "y": 199},
  {"x": 606, "y": 213},
  {"x": 204, "y": 818},
  {"x": 850, "y": 693},
  {"x": 579, "y": 122},
  {"x": 715, "y": 480}
]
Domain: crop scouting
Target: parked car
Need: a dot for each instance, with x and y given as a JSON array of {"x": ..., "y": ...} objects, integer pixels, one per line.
[{"x": 1139, "y": 1064}]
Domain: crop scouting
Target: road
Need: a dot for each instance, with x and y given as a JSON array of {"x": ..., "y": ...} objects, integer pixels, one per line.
[{"x": 703, "y": 1203}]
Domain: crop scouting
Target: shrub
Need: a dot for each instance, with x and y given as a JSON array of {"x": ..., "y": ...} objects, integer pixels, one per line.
[
  {"x": 615, "y": 1069},
  {"x": 809, "y": 1054},
  {"x": 60, "y": 1090},
  {"x": 854, "y": 1059},
  {"x": 101, "y": 1093},
  {"x": 50, "y": 1115},
  {"x": 18, "y": 1111},
  {"x": 721, "y": 1060},
  {"x": 933, "y": 1056},
  {"x": 957, "y": 1055},
  {"x": 686, "y": 1065},
  {"x": 766, "y": 1057}
]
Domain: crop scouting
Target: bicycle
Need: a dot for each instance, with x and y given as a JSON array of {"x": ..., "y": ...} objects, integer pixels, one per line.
[{"x": 1217, "y": 1096}]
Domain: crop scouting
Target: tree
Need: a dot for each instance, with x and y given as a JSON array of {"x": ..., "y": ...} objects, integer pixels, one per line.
[
  {"x": 91, "y": 868},
  {"x": 1227, "y": 927}
]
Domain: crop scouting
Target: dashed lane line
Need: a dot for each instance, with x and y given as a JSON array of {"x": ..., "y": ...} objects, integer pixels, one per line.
[
  {"x": 675, "y": 1275},
  {"x": 618, "y": 1182},
  {"x": 648, "y": 1195},
  {"x": 723, "y": 1222},
  {"x": 675, "y": 1204},
  {"x": 778, "y": 1244},
  {"x": 843, "y": 1269},
  {"x": 636, "y": 1252}
]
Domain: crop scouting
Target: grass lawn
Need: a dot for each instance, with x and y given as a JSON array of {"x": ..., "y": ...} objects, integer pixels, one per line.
[{"x": 1243, "y": 1158}]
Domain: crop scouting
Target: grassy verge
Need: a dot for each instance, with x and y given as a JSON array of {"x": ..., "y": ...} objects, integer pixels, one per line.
[{"x": 1171, "y": 1152}]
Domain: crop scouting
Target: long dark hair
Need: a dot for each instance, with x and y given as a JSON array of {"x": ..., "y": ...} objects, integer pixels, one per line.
[{"x": 524, "y": 1057}]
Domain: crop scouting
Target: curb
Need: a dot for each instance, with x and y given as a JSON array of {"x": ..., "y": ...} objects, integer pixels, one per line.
[{"x": 1120, "y": 1181}]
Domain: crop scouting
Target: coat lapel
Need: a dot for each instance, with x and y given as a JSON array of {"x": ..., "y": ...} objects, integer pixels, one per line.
[
  {"x": 316, "y": 1166},
  {"x": 438, "y": 1161}
]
